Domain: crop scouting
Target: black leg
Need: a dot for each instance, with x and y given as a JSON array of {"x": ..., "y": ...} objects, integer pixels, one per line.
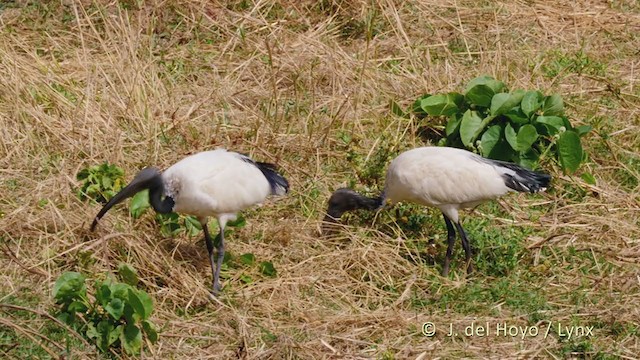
[
  {"x": 220, "y": 248},
  {"x": 209, "y": 242},
  {"x": 466, "y": 247},
  {"x": 451, "y": 239}
]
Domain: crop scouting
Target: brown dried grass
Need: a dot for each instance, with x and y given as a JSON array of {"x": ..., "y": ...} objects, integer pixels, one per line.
[{"x": 137, "y": 77}]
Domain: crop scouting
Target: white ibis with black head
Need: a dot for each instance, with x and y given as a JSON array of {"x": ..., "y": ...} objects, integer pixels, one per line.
[
  {"x": 446, "y": 178},
  {"x": 216, "y": 183}
]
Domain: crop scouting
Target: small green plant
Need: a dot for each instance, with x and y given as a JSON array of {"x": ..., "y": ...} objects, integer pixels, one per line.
[
  {"x": 100, "y": 182},
  {"x": 518, "y": 126},
  {"x": 578, "y": 63},
  {"x": 248, "y": 263},
  {"x": 116, "y": 318}
]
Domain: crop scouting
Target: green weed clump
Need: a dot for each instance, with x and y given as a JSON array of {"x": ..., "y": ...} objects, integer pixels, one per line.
[
  {"x": 115, "y": 317},
  {"x": 100, "y": 182},
  {"x": 519, "y": 126}
]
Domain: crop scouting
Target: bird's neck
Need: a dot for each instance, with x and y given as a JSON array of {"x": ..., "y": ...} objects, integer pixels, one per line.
[{"x": 163, "y": 206}]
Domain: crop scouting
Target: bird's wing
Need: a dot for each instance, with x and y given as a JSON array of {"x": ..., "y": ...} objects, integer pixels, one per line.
[
  {"x": 451, "y": 177},
  {"x": 220, "y": 180}
]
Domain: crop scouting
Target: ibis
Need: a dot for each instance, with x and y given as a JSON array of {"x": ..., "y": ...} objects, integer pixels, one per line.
[
  {"x": 216, "y": 183},
  {"x": 446, "y": 178}
]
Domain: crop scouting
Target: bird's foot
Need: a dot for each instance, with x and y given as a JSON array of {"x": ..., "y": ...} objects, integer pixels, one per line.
[
  {"x": 215, "y": 289},
  {"x": 469, "y": 267}
]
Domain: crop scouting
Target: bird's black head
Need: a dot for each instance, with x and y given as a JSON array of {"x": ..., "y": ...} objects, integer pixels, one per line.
[
  {"x": 148, "y": 178},
  {"x": 343, "y": 200}
]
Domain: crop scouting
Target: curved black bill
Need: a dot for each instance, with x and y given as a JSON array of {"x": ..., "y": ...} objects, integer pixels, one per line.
[{"x": 142, "y": 181}]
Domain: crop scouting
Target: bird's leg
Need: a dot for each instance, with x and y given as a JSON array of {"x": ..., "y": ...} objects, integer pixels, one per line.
[
  {"x": 220, "y": 248},
  {"x": 209, "y": 242},
  {"x": 451, "y": 238},
  {"x": 466, "y": 247}
]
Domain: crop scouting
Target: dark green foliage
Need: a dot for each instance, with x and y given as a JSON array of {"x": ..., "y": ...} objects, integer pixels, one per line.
[
  {"x": 100, "y": 182},
  {"x": 117, "y": 318},
  {"x": 518, "y": 126}
]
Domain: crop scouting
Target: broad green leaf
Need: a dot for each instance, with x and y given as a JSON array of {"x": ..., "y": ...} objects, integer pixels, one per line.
[
  {"x": 247, "y": 259},
  {"x": 511, "y": 136},
  {"x": 517, "y": 95},
  {"x": 130, "y": 315},
  {"x": 239, "y": 222},
  {"x": 131, "y": 339},
  {"x": 456, "y": 98},
  {"x": 66, "y": 318},
  {"x": 128, "y": 274},
  {"x": 417, "y": 108},
  {"x": 480, "y": 95},
  {"x": 441, "y": 105},
  {"x": 267, "y": 268},
  {"x": 469, "y": 126},
  {"x": 139, "y": 204},
  {"x": 150, "y": 330},
  {"x": 553, "y": 106},
  {"x": 569, "y": 151},
  {"x": 141, "y": 303},
  {"x": 192, "y": 224},
  {"x": 119, "y": 290},
  {"x": 528, "y": 159},
  {"x": 502, "y": 151},
  {"x": 103, "y": 294},
  {"x": 554, "y": 124},
  {"x": 104, "y": 329},
  {"x": 169, "y": 223},
  {"x": 453, "y": 125},
  {"x": 495, "y": 85},
  {"x": 583, "y": 129},
  {"x": 70, "y": 285},
  {"x": 588, "y": 178},
  {"x": 527, "y": 135},
  {"x": 531, "y": 102},
  {"x": 567, "y": 124},
  {"x": 115, "y": 308},
  {"x": 115, "y": 334},
  {"x": 77, "y": 306},
  {"x": 91, "y": 332},
  {"x": 501, "y": 103},
  {"x": 489, "y": 139},
  {"x": 516, "y": 115}
]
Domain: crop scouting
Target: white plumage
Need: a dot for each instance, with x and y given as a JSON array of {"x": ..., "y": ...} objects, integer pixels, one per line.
[
  {"x": 216, "y": 183},
  {"x": 213, "y": 183},
  {"x": 449, "y": 179}
]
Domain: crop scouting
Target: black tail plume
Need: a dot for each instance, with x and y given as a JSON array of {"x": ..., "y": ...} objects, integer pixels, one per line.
[
  {"x": 524, "y": 180},
  {"x": 279, "y": 185},
  {"x": 344, "y": 199}
]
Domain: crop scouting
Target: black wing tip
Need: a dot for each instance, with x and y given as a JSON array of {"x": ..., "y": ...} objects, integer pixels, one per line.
[
  {"x": 279, "y": 184},
  {"x": 527, "y": 181}
]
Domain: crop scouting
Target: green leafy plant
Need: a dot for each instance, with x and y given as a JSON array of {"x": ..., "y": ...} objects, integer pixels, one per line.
[
  {"x": 248, "y": 264},
  {"x": 518, "y": 126},
  {"x": 116, "y": 317},
  {"x": 100, "y": 182}
]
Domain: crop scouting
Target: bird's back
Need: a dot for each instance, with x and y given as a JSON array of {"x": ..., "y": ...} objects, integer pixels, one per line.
[
  {"x": 216, "y": 182},
  {"x": 441, "y": 175}
]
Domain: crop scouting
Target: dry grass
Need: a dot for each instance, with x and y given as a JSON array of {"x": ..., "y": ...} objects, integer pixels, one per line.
[{"x": 87, "y": 82}]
